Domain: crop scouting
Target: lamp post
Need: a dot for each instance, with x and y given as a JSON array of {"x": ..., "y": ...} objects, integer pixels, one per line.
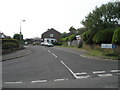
[{"x": 21, "y": 33}]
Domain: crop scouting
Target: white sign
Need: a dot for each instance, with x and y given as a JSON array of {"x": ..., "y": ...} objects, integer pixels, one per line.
[{"x": 106, "y": 45}]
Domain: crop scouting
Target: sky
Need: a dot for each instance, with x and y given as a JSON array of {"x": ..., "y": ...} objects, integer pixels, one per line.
[{"x": 41, "y": 15}]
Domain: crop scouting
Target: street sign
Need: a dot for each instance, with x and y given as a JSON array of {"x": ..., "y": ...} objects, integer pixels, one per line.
[
  {"x": 108, "y": 46},
  {"x": 113, "y": 46}
]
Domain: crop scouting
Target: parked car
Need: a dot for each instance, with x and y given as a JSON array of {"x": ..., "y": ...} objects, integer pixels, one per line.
[
  {"x": 34, "y": 43},
  {"x": 47, "y": 44},
  {"x": 42, "y": 43}
]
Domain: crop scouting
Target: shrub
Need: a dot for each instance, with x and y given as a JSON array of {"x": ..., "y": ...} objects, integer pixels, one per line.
[
  {"x": 88, "y": 36},
  {"x": 9, "y": 45},
  {"x": 56, "y": 43},
  {"x": 103, "y": 36},
  {"x": 72, "y": 37},
  {"x": 64, "y": 39},
  {"x": 116, "y": 36}
]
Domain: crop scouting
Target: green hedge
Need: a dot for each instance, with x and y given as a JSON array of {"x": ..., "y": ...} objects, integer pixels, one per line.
[
  {"x": 56, "y": 43},
  {"x": 88, "y": 36},
  {"x": 103, "y": 36},
  {"x": 116, "y": 36},
  {"x": 10, "y": 40},
  {"x": 9, "y": 45}
]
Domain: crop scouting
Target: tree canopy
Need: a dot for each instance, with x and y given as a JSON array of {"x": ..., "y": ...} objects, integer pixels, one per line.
[
  {"x": 116, "y": 36},
  {"x": 17, "y": 36},
  {"x": 104, "y": 17},
  {"x": 72, "y": 30}
]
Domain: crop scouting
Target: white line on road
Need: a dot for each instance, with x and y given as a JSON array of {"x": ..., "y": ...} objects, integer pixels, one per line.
[
  {"x": 49, "y": 51},
  {"x": 38, "y": 81},
  {"x": 59, "y": 79},
  {"x": 80, "y": 73},
  {"x": 68, "y": 69},
  {"x": 80, "y": 77},
  {"x": 105, "y": 75},
  {"x": 13, "y": 82},
  {"x": 95, "y": 72},
  {"x": 114, "y": 70},
  {"x": 54, "y": 55}
]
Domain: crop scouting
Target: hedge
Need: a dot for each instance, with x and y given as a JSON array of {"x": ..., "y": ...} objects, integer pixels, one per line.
[
  {"x": 116, "y": 37},
  {"x": 88, "y": 36},
  {"x": 9, "y": 45},
  {"x": 103, "y": 36}
]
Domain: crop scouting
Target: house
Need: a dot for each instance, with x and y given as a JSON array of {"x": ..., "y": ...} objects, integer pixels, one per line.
[
  {"x": 51, "y": 35},
  {"x": 3, "y": 36},
  {"x": 36, "y": 40}
]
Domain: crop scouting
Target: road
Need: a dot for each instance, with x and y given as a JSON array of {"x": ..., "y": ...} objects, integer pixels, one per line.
[{"x": 57, "y": 67}]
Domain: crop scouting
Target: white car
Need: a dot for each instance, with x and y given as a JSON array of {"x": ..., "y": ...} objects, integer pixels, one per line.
[{"x": 47, "y": 44}]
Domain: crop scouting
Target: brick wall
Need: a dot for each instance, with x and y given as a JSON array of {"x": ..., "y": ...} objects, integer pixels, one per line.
[{"x": 56, "y": 34}]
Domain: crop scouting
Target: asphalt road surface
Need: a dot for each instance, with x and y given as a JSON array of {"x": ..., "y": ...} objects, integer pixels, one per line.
[{"x": 57, "y": 67}]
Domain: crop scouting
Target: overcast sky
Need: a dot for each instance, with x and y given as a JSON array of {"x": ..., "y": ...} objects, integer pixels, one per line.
[{"x": 41, "y": 15}]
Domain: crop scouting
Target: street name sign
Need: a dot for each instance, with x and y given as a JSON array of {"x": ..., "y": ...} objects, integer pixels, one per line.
[{"x": 108, "y": 46}]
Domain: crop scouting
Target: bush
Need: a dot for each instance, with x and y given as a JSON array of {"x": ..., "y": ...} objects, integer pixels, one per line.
[
  {"x": 88, "y": 36},
  {"x": 9, "y": 45},
  {"x": 56, "y": 43},
  {"x": 72, "y": 37},
  {"x": 64, "y": 39},
  {"x": 103, "y": 36},
  {"x": 116, "y": 37}
]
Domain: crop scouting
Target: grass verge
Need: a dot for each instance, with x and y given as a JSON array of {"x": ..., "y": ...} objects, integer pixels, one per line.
[
  {"x": 98, "y": 52},
  {"x": 101, "y": 54}
]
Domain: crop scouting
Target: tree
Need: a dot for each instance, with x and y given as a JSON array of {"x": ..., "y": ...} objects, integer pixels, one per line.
[
  {"x": 105, "y": 17},
  {"x": 103, "y": 36},
  {"x": 17, "y": 36},
  {"x": 72, "y": 37},
  {"x": 64, "y": 34},
  {"x": 72, "y": 30},
  {"x": 81, "y": 30},
  {"x": 88, "y": 37},
  {"x": 116, "y": 36}
]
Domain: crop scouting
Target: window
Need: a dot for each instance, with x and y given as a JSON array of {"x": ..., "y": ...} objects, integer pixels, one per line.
[{"x": 51, "y": 35}]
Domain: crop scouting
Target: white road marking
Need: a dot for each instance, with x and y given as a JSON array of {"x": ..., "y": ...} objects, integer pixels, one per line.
[
  {"x": 59, "y": 79},
  {"x": 105, "y": 75},
  {"x": 13, "y": 82},
  {"x": 114, "y": 70},
  {"x": 96, "y": 72},
  {"x": 49, "y": 51},
  {"x": 68, "y": 69},
  {"x": 38, "y": 81},
  {"x": 80, "y": 77},
  {"x": 54, "y": 55},
  {"x": 80, "y": 73}
]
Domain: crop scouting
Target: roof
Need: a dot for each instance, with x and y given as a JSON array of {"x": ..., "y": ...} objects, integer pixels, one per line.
[{"x": 51, "y": 30}]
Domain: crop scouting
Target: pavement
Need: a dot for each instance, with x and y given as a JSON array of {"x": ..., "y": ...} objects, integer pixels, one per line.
[{"x": 17, "y": 54}]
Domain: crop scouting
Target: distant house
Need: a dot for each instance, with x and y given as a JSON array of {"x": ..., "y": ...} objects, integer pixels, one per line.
[
  {"x": 51, "y": 35},
  {"x": 36, "y": 40},
  {"x": 3, "y": 36}
]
